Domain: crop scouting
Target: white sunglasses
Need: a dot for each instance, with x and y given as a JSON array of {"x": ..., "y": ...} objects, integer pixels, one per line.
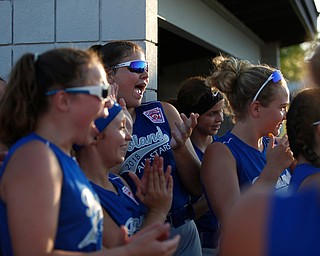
[
  {"x": 100, "y": 90},
  {"x": 276, "y": 76}
]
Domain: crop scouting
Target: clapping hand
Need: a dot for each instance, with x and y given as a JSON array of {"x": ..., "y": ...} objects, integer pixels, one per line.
[
  {"x": 154, "y": 189},
  {"x": 183, "y": 131}
]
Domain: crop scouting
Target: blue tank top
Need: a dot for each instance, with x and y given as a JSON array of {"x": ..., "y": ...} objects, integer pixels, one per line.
[
  {"x": 198, "y": 152},
  {"x": 250, "y": 161},
  {"x": 293, "y": 225},
  {"x": 151, "y": 136},
  {"x": 80, "y": 220},
  {"x": 122, "y": 207},
  {"x": 300, "y": 173}
]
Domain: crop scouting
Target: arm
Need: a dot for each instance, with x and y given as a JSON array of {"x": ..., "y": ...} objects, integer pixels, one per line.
[
  {"x": 111, "y": 231},
  {"x": 279, "y": 158},
  {"x": 220, "y": 179},
  {"x": 245, "y": 228},
  {"x": 185, "y": 157},
  {"x": 200, "y": 207},
  {"x": 33, "y": 216}
]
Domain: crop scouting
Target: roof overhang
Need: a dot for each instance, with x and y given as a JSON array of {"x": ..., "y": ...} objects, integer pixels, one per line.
[{"x": 287, "y": 22}]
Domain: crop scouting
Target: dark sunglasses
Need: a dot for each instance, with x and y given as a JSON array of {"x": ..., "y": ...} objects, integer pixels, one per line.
[
  {"x": 100, "y": 90},
  {"x": 135, "y": 66},
  {"x": 276, "y": 76}
]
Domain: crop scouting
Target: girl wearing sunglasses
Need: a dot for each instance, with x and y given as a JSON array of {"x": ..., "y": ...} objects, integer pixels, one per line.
[
  {"x": 258, "y": 97},
  {"x": 38, "y": 173},
  {"x": 47, "y": 205},
  {"x": 158, "y": 129}
]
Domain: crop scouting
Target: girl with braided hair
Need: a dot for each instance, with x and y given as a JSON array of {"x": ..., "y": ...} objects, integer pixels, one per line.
[{"x": 303, "y": 130}]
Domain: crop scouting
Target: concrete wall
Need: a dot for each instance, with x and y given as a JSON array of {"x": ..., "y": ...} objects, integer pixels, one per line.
[
  {"x": 212, "y": 24},
  {"x": 39, "y": 25}
]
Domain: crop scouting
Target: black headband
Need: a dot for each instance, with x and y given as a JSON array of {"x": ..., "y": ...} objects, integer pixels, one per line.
[{"x": 207, "y": 101}]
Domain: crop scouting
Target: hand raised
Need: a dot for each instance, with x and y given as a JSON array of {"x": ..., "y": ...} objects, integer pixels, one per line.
[
  {"x": 155, "y": 188},
  {"x": 183, "y": 131},
  {"x": 279, "y": 156}
]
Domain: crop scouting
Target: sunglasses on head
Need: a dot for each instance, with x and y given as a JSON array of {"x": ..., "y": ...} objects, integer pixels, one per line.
[
  {"x": 100, "y": 90},
  {"x": 135, "y": 66},
  {"x": 276, "y": 76}
]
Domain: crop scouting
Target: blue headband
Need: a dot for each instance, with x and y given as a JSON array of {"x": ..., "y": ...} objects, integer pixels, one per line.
[{"x": 102, "y": 122}]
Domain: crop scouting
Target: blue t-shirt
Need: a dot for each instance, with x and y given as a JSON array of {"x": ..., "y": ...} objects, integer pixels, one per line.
[
  {"x": 300, "y": 173},
  {"x": 151, "y": 136},
  {"x": 293, "y": 225},
  {"x": 122, "y": 206},
  {"x": 80, "y": 219},
  {"x": 250, "y": 161}
]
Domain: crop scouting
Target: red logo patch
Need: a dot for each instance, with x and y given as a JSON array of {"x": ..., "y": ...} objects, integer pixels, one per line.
[
  {"x": 128, "y": 192},
  {"x": 155, "y": 115}
]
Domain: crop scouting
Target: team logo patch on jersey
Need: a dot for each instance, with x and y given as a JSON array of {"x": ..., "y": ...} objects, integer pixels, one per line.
[
  {"x": 155, "y": 115},
  {"x": 128, "y": 192}
]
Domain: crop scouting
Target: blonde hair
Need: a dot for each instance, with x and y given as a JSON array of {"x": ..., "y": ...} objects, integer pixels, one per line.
[{"x": 239, "y": 80}]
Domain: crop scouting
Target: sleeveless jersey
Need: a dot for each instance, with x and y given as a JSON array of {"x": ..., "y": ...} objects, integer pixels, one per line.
[
  {"x": 250, "y": 161},
  {"x": 293, "y": 225},
  {"x": 151, "y": 136},
  {"x": 300, "y": 173},
  {"x": 80, "y": 219},
  {"x": 122, "y": 207},
  {"x": 198, "y": 152}
]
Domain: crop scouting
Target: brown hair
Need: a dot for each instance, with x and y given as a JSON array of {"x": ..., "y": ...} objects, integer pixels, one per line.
[
  {"x": 32, "y": 76},
  {"x": 239, "y": 80},
  {"x": 303, "y": 112},
  {"x": 114, "y": 52},
  {"x": 195, "y": 96}
]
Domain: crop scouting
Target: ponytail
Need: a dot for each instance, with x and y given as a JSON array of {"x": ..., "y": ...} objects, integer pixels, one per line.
[{"x": 17, "y": 111}]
